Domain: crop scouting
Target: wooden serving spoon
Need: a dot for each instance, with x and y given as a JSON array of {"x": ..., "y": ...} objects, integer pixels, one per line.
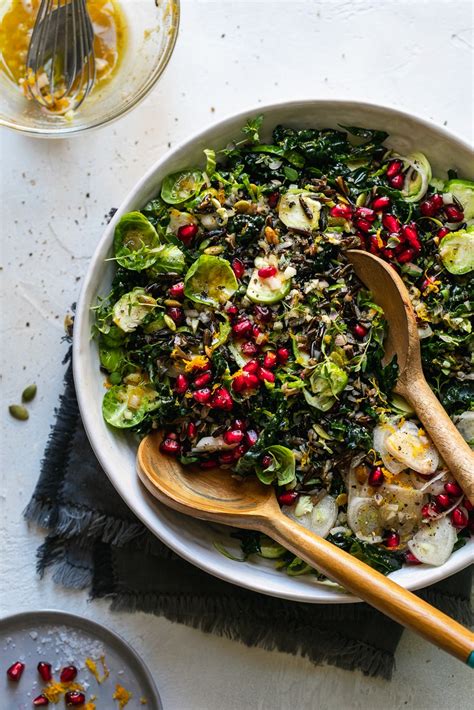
[
  {"x": 402, "y": 340},
  {"x": 215, "y": 496}
]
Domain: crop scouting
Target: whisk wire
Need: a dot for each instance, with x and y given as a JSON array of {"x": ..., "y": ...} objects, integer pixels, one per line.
[{"x": 60, "y": 60}]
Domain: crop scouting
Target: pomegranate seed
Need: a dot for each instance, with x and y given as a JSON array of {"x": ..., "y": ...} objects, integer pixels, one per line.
[
  {"x": 239, "y": 424},
  {"x": 242, "y": 327},
  {"x": 381, "y": 203},
  {"x": 251, "y": 437},
  {"x": 360, "y": 331},
  {"x": 267, "y": 461},
  {"x": 270, "y": 359},
  {"x": 410, "y": 559},
  {"x": 177, "y": 291},
  {"x": 232, "y": 311},
  {"x": 168, "y": 446},
  {"x": 283, "y": 354},
  {"x": 177, "y": 314},
  {"x": 397, "y": 182},
  {"x": 391, "y": 223},
  {"x": 44, "y": 669},
  {"x": 234, "y": 436},
  {"x": 74, "y": 698},
  {"x": 442, "y": 501},
  {"x": 181, "y": 384},
  {"x": 191, "y": 430},
  {"x": 453, "y": 489},
  {"x": 459, "y": 519},
  {"x": 453, "y": 214},
  {"x": 364, "y": 225},
  {"x": 428, "y": 511},
  {"x": 15, "y": 671},
  {"x": 226, "y": 458},
  {"x": 341, "y": 210},
  {"x": 187, "y": 232},
  {"x": 210, "y": 463},
  {"x": 405, "y": 256},
  {"x": 239, "y": 451},
  {"x": 238, "y": 383},
  {"x": 376, "y": 477},
  {"x": 252, "y": 366},
  {"x": 365, "y": 213},
  {"x": 267, "y": 272},
  {"x": 263, "y": 313},
  {"x": 245, "y": 381},
  {"x": 374, "y": 247},
  {"x": 256, "y": 332},
  {"x": 442, "y": 232},
  {"x": 468, "y": 505},
  {"x": 437, "y": 201},
  {"x": 41, "y": 701},
  {"x": 202, "y": 380},
  {"x": 272, "y": 199},
  {"x": 203, "y": 396},
  {"x": 287, "y": 498},
  {"x": 392, "y": 539},
  {"x": 266, "y": 375},
  {"x": 238, "y": 268},
  {"x": 249, "y": 348},
  {"x": 394, "y": 168},
  {"x": 172, "y": 435},
  {"x": 411, "y": 235},
  {"x": 221, "y": 399},
  {"x": 427, "y": 208}
]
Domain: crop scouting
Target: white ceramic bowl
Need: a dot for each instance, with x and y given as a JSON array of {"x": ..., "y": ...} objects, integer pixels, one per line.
[{"x": 193, "y": 539}]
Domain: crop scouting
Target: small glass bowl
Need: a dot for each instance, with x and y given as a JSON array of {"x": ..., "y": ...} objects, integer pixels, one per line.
[{"x": 152, "y": 31}]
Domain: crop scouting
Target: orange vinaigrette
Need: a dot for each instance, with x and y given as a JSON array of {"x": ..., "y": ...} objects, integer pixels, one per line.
[{"x": 110, "y": 36}]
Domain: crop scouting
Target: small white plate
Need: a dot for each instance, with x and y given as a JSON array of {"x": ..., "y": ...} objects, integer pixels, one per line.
[{"x": 193, "y": 539}]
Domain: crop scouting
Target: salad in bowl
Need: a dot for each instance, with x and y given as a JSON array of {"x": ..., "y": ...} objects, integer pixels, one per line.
[{"x": 237, "y": 326}]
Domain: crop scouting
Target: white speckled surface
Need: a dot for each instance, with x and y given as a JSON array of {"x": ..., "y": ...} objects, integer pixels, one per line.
[{"x": 415, "y": 55}]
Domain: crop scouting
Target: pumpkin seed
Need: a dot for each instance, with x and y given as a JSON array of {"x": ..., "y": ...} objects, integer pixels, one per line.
[
  {"x": 169, "y": 322},
  {"x": 18, "y": 412},
  {"x": 29, "y": 393}
]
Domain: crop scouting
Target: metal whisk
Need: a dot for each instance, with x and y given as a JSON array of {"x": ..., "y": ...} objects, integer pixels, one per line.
[{"x": 60, "y": 62}]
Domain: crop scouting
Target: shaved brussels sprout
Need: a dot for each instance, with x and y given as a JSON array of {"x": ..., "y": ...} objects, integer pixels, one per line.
[
  {"x": 299, "y": 210},
  {"x": 126, "y": 406},
  {"x": 268, "y": 290},
  {"x": 132, "y": 309},
  {"x": 327, "y": 381},
  {"x": 110, "y": 358},
  {"x": 457, "y": 251},
  {"x": 417, "y": 178},
  {"x": 134, "y": 239},
  {"x": 169, "y": 259},
  {"x": 210, "y": 281},
  {"x": 282, "y": 468},
  {"x": 179, "y": 187},
  {"x": 463, "y": 191}
]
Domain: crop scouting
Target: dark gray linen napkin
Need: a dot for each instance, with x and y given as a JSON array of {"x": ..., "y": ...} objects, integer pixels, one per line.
[{"x": 95, "y": 542}]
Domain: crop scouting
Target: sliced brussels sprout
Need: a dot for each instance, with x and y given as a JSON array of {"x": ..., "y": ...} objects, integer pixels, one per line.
[
  {"x": 221, "y": 335},
  {"x": 299, "y": 210},
  {"x": 417, "y": 178},
  {"x": 125, "y": 406},
  {"x": 270, "y": 549},
  {"x": 457, "y": 251},
  {"x": 319, "y": 518},
  {"x": 132, "y": 309},
  {"x": 179, "y": 187},
  {"x": 134, "y": 238},
  {"x": 169, "y": 259},
  {"x": 155, "y": 325},
  {"x": 301, "y": 356},
  {"x": 210, "y": 281},
  {"x": 268, "y": 290},
  {"x": 434, "y": 542},
  {"x": 282, "y": 468},
  {"x": 110, "y": 358},
  {"x": 327, "y": 381},
  {"x": 179, "y": 219},
  {"x": 463, "y": 190}
]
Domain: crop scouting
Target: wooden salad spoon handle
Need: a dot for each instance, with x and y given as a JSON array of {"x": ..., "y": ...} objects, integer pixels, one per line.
[
  {"x": 215, "y": 496},
  {"x": 402, "y": 340}
]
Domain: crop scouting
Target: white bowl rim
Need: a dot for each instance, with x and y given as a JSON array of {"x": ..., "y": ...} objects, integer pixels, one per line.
[{"x": 423, "y": 575}]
